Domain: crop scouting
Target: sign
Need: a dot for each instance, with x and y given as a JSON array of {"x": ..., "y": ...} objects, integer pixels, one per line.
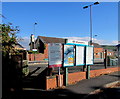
[
  {"x": 69, "y": 55},
  {"x": 34, "y": 50},
  {"x": 77, "y": 42},
  {"x": 80, "y": 55},
  {"x": 55, "y": 54},
  {"x": 89, "y": 55}
]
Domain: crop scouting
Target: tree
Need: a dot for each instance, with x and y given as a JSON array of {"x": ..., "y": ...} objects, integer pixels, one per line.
[
  {"x": 9, "y": 38},
  {"x": 10, "y": 66}
]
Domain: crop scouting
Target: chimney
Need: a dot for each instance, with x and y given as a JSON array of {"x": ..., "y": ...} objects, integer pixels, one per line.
[
  {"x": 31, "y": 42},
  {"x": 32, "y": 38}
]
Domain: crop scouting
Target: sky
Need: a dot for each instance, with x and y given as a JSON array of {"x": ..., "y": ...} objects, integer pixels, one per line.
[{"x": 63, "y": 20}]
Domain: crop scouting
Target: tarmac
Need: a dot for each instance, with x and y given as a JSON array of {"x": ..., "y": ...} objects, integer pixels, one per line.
[
  {"x": 88, "y": 85},
  {"x": 81, "y": 90}
]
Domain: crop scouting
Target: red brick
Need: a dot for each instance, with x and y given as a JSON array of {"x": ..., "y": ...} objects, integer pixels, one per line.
[
  {"x": 75, "y": 77},
  {"x": 78, "y": 76},
  {"x": 51, "y": 83}
]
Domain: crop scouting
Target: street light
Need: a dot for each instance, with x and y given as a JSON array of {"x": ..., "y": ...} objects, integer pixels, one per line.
[
  {"x": 90, "y": 19},
  {"x": 34, "y": 40},
  {"x": 34, "y": 34}
]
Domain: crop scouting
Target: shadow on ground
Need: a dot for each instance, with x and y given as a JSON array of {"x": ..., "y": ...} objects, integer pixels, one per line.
[
  {"x": 38, "y": 94},
  {"x": 105, "y": 93}
]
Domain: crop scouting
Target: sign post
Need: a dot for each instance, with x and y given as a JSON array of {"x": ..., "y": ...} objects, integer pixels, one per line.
[
  {"x": 59, "y": 78},
  {"x": 55, "y": 58},
  {"x": 89, "y": 59},
  {"x": 88, "y": 72},
  {"x": 66, "y": 76}
]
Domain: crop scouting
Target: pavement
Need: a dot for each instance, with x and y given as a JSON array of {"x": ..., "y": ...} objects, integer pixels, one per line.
[
  {"x": 88, "y": 85},
  {"x": 80, "y": 90}
]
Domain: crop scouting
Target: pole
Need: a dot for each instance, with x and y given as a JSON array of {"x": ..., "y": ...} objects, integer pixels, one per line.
[
  {"x": 34, "y": 39},
  {"x": 90, "y": 24},
  {"x": 90, "y": 43},
  {"x": 59, "y": 78},
  {"x": 88, "y": 72},
  {"x": 105, "y": 61},
  {"x": 66, "y": 76}
]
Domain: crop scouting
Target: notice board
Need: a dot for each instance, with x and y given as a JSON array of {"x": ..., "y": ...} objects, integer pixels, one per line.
[
  {"x": 89, "y": 55},
  {"x": 80, "y": 55},
  {"x": 69, "y": 54},
  {"x": 55, "y": 54}
]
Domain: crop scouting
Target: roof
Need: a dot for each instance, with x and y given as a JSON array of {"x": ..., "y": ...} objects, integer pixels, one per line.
[
  {"x": 51, "y": 39},
  {"x": 97, "y": 45},
  {"x": 118, "y": 45},
  {"x": 18, "y": 46}
]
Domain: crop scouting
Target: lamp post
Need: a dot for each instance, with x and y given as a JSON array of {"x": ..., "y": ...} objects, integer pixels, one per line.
[
  {"x": 34, "y": 34},
  {"x": 34, "y": 40},
  {"x": 90, "y": 19}
]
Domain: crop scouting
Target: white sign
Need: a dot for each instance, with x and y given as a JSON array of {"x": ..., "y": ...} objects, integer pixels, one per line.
[
  {"x": 55, "y": 54},
  {"x": 34, "y": 50},
  {"x": 80, "y": 55},
  {"x": 89, "y": 55},
  {"x": 77, "y": 42}
]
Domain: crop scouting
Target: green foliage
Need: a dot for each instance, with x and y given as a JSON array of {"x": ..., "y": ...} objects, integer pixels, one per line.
[
  {"x": 33, "y": 52},
  {"x": 44, "y": 46},
  {"x": 8, "y": 38},
  {"x": 110, "y": 47},
  {"x": 111, "y": 57}
]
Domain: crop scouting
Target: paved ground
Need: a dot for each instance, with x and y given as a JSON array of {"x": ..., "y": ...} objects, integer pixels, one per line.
[
  {"x": 78, "y": 91},
  {"x": 87, "y": 86}
]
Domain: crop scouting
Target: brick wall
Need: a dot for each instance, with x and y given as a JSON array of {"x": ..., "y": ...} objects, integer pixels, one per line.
[
  {"x": 40, "y": 56},
  {"x": 94, "y": 73},
  {"x": 51, "y": 83},
  {"x": 110, "y": 53},
  {"x": 98, "y": 52},
  {"x": 75, "y": 77},
  {"x": 46, "y": 51},
  {"x": 36, "y": 57}
]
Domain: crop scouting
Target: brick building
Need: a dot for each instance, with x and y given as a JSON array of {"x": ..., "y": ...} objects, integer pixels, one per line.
[
  {"x": 41, "y": 44},
  {"x": 98, "y": 51}
]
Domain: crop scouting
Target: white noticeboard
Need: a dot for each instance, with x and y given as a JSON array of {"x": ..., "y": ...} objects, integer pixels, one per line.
[
  {"x": 80, "y": 55},
  {"x": 55, "y": 54},
  {"x": 89, "y": 55}
]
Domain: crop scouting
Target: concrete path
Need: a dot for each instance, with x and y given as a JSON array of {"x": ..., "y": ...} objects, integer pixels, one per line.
[{"x": 89, "y": 85}]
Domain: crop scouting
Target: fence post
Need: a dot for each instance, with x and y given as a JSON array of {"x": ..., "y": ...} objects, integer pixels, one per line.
[
  {"x": 105, "y": 61},
  {"x": 84, "y": 68}
]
